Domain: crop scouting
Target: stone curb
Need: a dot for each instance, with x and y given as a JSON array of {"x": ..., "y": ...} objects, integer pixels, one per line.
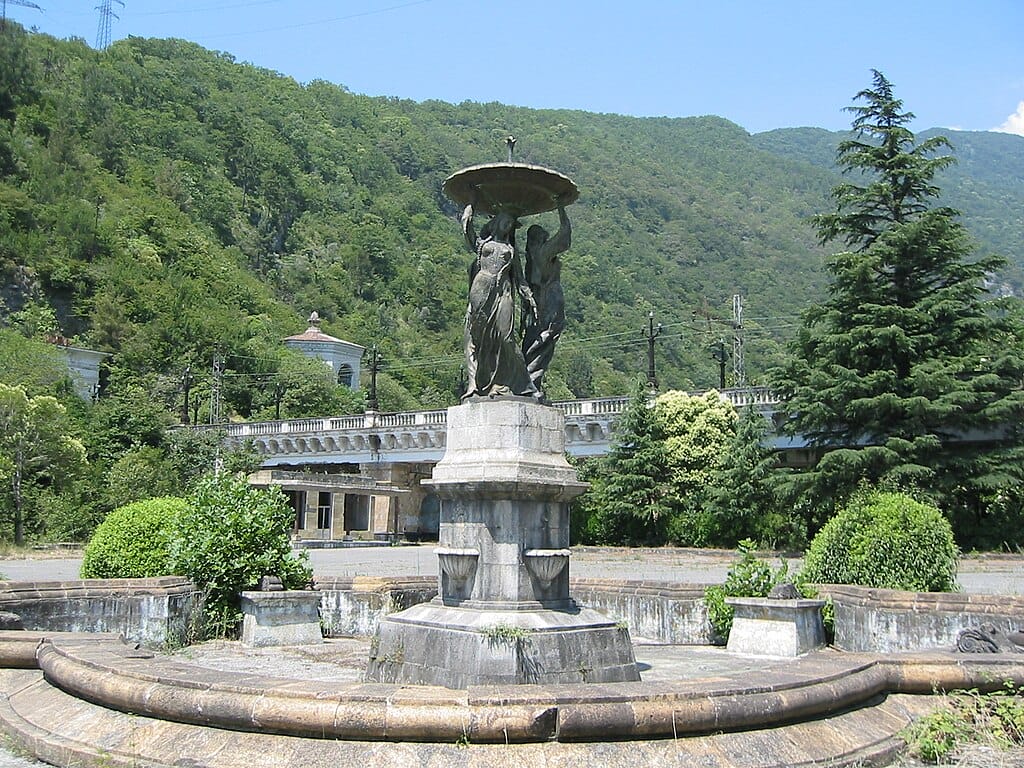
[
  {"x": 68, "y": 731},
  {"x": 111, "y": 674}
]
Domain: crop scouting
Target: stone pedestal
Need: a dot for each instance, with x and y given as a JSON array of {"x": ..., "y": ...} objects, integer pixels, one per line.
[
  {"x": 503, "y": 612},
  {"x": 280, "y": 618},
  {"x": 763, "y": 626}
]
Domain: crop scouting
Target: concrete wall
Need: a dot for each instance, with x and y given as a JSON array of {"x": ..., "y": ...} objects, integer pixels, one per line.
[
  {"x": 666, "y": 613},
  {"x": 354, "y": 605},
  {"x": 162, "y": 610},
  {"x": 889, "y": 621},
  {"x": 660, "y": 611},
  {"x": 148, "y": 611}
]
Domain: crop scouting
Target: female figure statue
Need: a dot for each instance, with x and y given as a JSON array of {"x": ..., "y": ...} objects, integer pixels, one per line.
[
  {"x": 543, "y": 273},
  {"x": 494, "y": 360}
]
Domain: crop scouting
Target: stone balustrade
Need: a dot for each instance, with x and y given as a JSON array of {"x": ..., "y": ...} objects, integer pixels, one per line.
[{"x": 420, "y": 436}]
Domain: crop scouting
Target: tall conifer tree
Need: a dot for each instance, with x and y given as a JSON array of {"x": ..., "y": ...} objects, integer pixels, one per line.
[
  {"x": 896, "y": 376},
  {"x": 630, "y": 494}
]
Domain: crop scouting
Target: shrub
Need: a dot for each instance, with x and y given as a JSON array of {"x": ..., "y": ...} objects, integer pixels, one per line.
[
  {"x": 995, "y": 720},
  {"x": 750, "y": 577},
  {"x": 228, "y": 536},
  {"x": 133, "y": 541},
  {"x": 885, "y": 540}
]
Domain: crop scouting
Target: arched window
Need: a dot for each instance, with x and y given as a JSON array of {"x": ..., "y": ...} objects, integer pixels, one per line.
[{"x": 345, "y": 375}]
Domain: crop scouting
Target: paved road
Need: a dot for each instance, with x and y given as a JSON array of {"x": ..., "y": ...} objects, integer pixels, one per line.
[{"x": 983, "y": 574}]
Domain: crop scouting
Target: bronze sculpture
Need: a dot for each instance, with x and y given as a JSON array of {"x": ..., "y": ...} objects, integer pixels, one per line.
[
  {"x": 544, "y": 276},
  {"x": 499, "y": 361},
  {"x": 494, "y": 361}
]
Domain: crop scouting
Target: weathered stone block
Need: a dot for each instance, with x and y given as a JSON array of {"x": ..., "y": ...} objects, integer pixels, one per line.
[
  {"x": 764, "y": 626},
  {"x": 280, "y": 618}
]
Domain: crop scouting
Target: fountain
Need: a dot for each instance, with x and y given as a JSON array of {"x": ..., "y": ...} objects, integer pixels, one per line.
[{"x": 503, "y": 613}]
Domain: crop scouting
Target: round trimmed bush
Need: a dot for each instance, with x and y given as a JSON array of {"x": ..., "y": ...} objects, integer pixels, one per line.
[
  {"x": 885, "y": 540},
  {"x": 133, "y": 541}
]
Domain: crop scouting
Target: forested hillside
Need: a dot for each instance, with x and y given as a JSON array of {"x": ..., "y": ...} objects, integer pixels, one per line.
[
  {"x": 986, "y": 184},
  {"x": 164, "y": 203}
]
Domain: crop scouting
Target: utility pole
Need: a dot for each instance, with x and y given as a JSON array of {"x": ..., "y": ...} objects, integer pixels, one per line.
[
  {"x": 651, "y": 334},
  {"x": 215, "y": 390},
  {"x": 738, "y": 373},
  {"x": 186, "y": 386},
  {"x": 375, "y": 366},
  {"x": 278, "y": 394},
  {"x": 720, "y": 356}
]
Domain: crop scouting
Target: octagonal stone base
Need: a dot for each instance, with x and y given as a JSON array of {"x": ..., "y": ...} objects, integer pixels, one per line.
[{"x": 434, "y": 644}]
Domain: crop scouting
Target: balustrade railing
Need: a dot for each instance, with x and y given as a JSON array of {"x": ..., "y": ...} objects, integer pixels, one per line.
[{"x": 573, "y": 409}]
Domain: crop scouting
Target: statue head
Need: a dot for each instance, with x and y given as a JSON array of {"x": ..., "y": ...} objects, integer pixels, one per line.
[
  {"x": 536, "y": 235},
  {"x": 502, "y": 225}
]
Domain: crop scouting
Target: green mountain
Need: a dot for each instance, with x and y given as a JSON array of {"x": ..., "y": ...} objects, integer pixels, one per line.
[
  {"x": 164, "y": 203},
  {"x": 986, "y": 184}
]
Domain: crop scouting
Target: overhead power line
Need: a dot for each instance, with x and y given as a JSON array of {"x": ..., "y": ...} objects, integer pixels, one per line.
[{"x": 22, "y": 3}]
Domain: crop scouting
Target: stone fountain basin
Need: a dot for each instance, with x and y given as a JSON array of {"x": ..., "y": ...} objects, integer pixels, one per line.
[
  {"x": 517, "y": 188},
  {"x": 107, "y": 672}
]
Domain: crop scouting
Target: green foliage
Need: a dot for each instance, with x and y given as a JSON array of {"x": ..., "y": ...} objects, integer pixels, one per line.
[
  {"x": 128, "y": 419},
  {"x": 229, "y": 535},
  {"x": 166, "y": 204},
  {"x": 886, "y": 540},
  {"x": 32, "y": 364},
  {"x": 697, "y": 431},
  {"x": 993, "y": 719},
  {"x": 908, "y": 354},
  {"x": 192, "y": 453},
  {"x": 746, "y": 491},
  {"x": 307, "y": 389},
  {"x": 37, "y": 450},
  {"x": 505, "y": 634},
  {"x": 749, "y": 577},
  {"x": 680, "y": 472},
  {"x": 133, "y": 541},
  {"x": 143, "y": 473},
  {"x": 629, "y": 495}
]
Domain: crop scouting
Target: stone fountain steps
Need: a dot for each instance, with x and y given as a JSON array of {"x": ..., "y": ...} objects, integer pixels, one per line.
[
  {"x": 97, "y": 701},
  {"x": 65, "y": 730}
]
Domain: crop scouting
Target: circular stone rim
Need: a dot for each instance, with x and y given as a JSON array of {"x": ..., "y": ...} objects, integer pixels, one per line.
[{"x": 521, "y": 189}]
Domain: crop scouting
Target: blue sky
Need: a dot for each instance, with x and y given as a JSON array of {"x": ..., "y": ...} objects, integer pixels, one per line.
[{"x": 760, "y": 64}]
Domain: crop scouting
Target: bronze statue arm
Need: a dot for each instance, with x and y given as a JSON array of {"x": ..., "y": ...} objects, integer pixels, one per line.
[
  {"x": 562, "y": 239},
  {"x": 519, "y": 279},
  {"x": 467, "y": 228}
]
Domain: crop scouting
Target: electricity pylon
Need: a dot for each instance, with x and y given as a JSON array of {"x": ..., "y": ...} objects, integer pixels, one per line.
[{"x": 103, "y": 30}]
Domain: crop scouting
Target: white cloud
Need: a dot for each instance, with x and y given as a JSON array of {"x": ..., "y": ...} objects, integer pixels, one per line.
[{"x": 1014, "y": 123}]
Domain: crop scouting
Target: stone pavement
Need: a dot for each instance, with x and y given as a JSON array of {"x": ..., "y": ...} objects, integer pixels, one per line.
[{"x": 344, "y": 660}]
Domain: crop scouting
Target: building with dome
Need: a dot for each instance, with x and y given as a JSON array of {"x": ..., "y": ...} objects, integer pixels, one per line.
[{"x": 343, "y": 357}]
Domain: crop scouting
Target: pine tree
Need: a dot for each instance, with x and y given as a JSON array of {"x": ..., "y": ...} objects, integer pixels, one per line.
[
  {"x": 629, "y": 498},
  {"x": 909, "y": 361},
  {"x": 745, "y": 499}
]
